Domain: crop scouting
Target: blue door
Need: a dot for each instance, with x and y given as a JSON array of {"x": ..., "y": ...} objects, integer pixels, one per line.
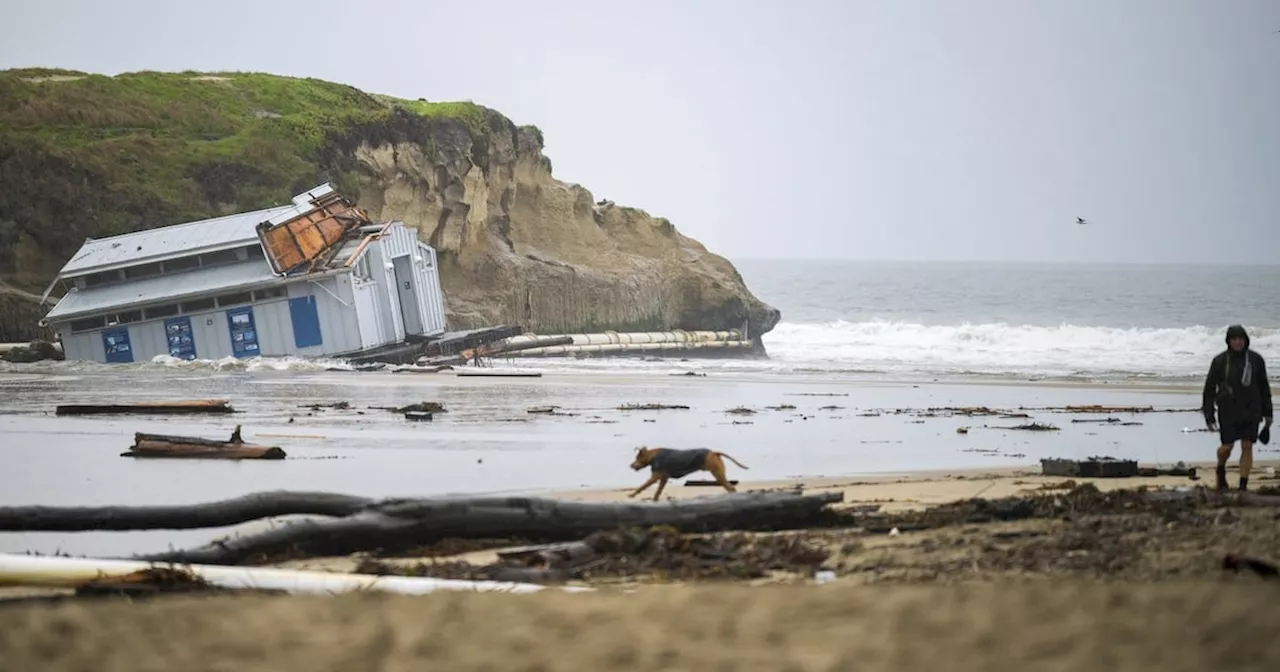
[
  {"x": 244, "y": 335},
  {"x": 182, "y": 344},
  {"x": 306, "y": 321},
  {"x": 116, "y": 343}
]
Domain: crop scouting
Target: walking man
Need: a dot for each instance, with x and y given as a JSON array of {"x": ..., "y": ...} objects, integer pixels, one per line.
[{"x": 1237, "y": 384}]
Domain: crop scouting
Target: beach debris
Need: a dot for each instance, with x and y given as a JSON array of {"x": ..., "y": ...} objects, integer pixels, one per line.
[
  {"x": 360, "y": 525},
  {"x": 782, "y": 407},
  {"x": 691, "y": 374},
  {"x": 419, "y": 416},
  {"x": 660, "y": 552},
  {"x": 831, "y": 408},
  {"x": 1030, "y": 427},
  {"x": 869, "y": 414},
  {"x": 1263, "y": 568},
  {"x": 215, "y": 406},
  {"x": 157, "y": 445},
  {"x": 1094, "y": 467},
  {"x": 962, "y": 430},
  {"x": 337, "y": 406},
  {"x": 1099, "y": 409},
  {"x": 61, "y": 572},
  {"x": 553, "y": 410},
  {"x": 146, "y": 582},
  {"x": 692, "y": 483},
  {"x": 741, "y": 410},
  {"x": 653, "y": 407},
  {"x": 421, "y": 407},
  {"x": 1179, "y": 469}
]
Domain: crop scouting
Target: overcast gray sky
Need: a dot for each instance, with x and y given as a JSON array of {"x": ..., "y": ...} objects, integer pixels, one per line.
[{"x": 899, "y": 129}]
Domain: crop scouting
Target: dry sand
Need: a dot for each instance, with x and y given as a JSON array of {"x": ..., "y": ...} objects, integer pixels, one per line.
[{"x": 1051, "y": 626}]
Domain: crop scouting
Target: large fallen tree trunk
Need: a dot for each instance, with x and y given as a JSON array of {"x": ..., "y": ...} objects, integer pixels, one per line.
[
  {"x": 400, "y": 524},
  {"x": 183, "y": 517}
]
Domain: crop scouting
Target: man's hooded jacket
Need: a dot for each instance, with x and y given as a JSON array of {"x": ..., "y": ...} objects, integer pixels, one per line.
[{"x": 1237, "y": 385}]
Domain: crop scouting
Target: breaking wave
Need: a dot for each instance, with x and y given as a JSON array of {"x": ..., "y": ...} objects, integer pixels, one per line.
[{"x": 1001, "y": 349}]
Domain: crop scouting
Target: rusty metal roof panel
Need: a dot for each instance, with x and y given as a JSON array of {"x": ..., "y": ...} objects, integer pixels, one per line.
[
  {"x": 168, "y": 242},
  {"x": 306, "y": 237}
]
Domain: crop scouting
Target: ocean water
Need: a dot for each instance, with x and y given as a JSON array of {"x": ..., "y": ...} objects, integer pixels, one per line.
[{"x": 1097, "y": 322}]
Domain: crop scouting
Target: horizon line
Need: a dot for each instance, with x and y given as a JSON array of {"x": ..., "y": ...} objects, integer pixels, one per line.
[{"x": 1009, "y": 262}]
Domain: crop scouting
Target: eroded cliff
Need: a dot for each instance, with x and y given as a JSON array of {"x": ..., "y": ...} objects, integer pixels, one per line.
[{"x": 519, "y": 246}]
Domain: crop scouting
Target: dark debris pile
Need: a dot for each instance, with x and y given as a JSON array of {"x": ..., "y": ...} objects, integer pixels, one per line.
[{"x": 659, "y": 552}]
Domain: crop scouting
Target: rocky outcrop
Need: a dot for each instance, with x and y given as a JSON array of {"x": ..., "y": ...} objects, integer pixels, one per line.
[{"x": 518, "y": 246}]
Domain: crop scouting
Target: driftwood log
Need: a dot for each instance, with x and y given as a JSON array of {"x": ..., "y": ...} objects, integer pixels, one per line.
[
  {"x": 408, "y": 523},
  {"x": 159, "y": 445},
  {"x": 217, "y": 406},
  {"x": 183, "y": 517}
]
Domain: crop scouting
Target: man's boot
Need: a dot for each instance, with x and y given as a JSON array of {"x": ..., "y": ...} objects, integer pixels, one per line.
[
  {"x": 1222, "y": 476},
  {"x": 1244, "y": 483}
]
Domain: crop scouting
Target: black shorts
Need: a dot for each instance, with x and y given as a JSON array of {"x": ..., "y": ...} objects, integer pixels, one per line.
[{"x": 1244, "y": 430}]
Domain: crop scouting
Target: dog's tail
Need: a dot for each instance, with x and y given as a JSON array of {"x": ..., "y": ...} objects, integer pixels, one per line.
[{"x": 734, "y": 461}]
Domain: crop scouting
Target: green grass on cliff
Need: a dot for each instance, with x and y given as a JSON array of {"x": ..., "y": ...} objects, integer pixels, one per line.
[{"x": 91, "y": 155}]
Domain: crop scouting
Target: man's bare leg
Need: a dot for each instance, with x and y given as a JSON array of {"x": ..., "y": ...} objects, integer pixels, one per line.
[
  {"x": 1246, "y": 463},
  {"x": 1224, "y": 454}
]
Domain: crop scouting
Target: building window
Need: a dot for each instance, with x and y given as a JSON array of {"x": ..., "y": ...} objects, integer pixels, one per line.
[
  {"x": 161, "y": 311},
  {"x": 270, "y": 293},
  {"x": 124, "y": 318},
  {"x": 234, "y": 299},
  {"x": 88, "y": 324},
  {"x": 361, "y": 269},
  {"x": 197, "y": 305},
  {"x": 95, "y": 279},
  {"x": 181, "y": 264},
  {"x": 142, "y": 271},
  {"x": 219, "y": 258}
]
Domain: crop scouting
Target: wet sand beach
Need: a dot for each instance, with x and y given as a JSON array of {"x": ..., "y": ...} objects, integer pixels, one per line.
[{"x": 939, "y": 567}]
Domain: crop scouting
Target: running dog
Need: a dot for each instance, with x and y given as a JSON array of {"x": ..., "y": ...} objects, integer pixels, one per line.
[{"x": 666, "y": 463}]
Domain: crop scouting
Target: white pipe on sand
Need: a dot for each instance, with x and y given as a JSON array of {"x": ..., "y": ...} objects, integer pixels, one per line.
[{"x": 58, "y": 572}]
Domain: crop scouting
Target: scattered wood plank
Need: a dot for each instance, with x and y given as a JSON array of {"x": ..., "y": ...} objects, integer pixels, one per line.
[
  {"x": 419, "y": 416},
  {"x": 652, "y": 407},
  {"x": 162, "y": 446},
  {"x": 1094, "y": 467},
  {"x": 149, "y": 408},
  {"x": 411, "y": 523}
]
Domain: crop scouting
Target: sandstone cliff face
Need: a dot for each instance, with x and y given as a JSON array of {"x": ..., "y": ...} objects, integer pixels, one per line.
[{"x": 517, "y": 246}]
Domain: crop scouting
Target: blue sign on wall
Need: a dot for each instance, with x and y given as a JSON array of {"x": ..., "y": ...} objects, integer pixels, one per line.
[
  {"x": 116, "y": 343},
  {"x": 182, "y": 344},
  {"x": 244, "y": 335}
]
